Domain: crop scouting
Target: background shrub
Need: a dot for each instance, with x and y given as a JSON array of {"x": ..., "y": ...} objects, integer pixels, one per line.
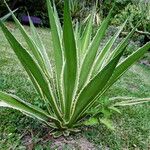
[
  {"x": 79, "y": 9},
  {"x": 137, "y": 10}
]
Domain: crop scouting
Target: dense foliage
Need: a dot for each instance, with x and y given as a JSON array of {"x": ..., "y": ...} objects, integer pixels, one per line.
[
  {"x": 79, "y": 9},
  {"x": 136, "y": 11}
]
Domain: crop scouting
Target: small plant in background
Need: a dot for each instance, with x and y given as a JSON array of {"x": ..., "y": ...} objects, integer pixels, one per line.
[
  {"x": 72, "y": 81},
  {"x": 106, "y": 107}
]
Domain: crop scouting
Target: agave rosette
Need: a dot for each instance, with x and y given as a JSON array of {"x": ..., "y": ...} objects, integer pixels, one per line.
[{"x": 77, "y": 74}]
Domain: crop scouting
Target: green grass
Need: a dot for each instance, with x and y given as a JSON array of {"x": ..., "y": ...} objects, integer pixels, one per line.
[{"x": 132, "y": 126}]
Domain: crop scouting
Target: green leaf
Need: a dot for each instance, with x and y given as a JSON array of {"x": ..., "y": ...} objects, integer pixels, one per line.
[
  {"x": 100, "y": 60},
  {"x": 131, "y": 102},
  {"x": 91, "y": 122},
  {"x": 41, "y": 47},
  {"x": 94, "y": 87},
  {"x": 56, "y": 33},
  {"x": 70, "y": 71},
  {"x": 58, "y": 23},
  {"x": 126, "y": 64},
  {"x": 114, "y": 109},
  {"x": 66, "y": 133},
  {"x": 91, "y": 52},
  {"x": 57, "y": 134},
  {"x": 31, "y": 66},
  {"x": 31, "y": 44},
  {"x": 122, "y": 45},
  {"x": 7, "y": 100},
  {"x": 86, "y": 37},
  {"x": 106, "y": 112},
  {"x": 108, "y": 123},
  {"x": 56, "y": 40},
  {"x": 77, "y": 33}
]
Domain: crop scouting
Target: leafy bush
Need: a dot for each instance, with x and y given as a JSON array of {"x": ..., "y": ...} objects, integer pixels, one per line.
[
  {"x": 79, "y": 9},
  {"x": 137, "y": 11},
  {"x": 72, "y": 79}
]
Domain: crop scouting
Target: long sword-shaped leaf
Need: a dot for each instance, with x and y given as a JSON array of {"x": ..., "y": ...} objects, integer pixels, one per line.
[
  {"x": 58, "y": 49},
  {"x": 122, "y": 44},
  {"x": 77, "y": 33},
  {"x": 127, "y": 63},
  {"x": 92, "y": 51},
  {"x": 128, "y": 101},
  {"x": 31, "y": 77},
  {"x": 41, "y": 47},
  {"x": 32, "y": 46},
  {"x": 38, "y": 89},
  {"x": 86, "y": 37},
  {"x": 122, "y": 68},
  {"x": 87, "y": 96},
  {"x": 29, "y": 64},
  {"x": 7, "y": 100},
  {"x": 132, "y": 102},
  {"x": 44, "y": 55},
  {"x": 70, "y": 70},
  {"x": 105, "y": 51},
  {"x": 58, "y": 23}
]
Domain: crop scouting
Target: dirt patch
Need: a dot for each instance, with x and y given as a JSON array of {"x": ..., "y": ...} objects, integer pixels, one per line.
[
  {"x": 78, "y": 144},
  {"x": 28, "y": 142},
  {"x": 145, "y": 62},
  {"x": 61, "y": 143}
]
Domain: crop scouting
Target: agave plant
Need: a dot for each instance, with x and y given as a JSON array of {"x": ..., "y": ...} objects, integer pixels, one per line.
[{"x": 77, "y": 74}]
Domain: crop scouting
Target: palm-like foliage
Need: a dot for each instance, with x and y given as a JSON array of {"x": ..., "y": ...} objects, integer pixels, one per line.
[{"x": 71, "y": 81}]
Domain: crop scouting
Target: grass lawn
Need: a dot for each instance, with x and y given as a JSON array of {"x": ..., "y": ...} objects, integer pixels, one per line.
[{"x": 19, "y": 132}]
